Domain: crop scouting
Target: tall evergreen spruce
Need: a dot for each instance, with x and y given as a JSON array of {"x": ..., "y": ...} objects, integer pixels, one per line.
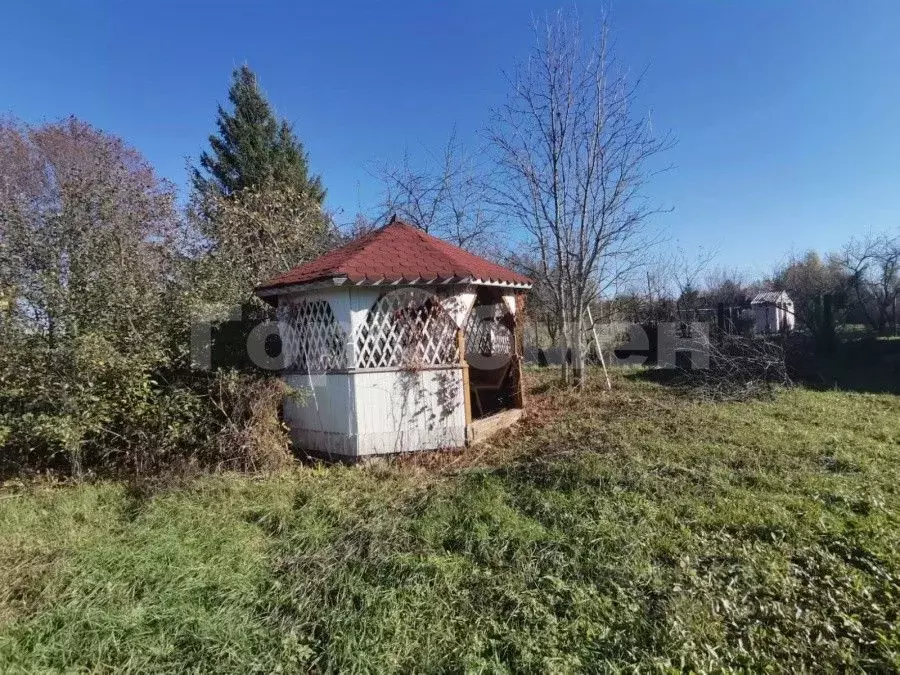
[{"x": 252, "y": 148}]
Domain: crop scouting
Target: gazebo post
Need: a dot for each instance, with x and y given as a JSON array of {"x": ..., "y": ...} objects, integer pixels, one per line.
[
  {"x": 519, "y": 349},
  {"x": 467, "y": 395}
]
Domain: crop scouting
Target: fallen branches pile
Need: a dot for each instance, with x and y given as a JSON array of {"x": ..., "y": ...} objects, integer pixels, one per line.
[{"x": 739, "y": 368}]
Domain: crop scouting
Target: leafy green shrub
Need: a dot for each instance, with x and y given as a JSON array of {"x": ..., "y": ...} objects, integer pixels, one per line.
[
  {"x": 75, "y": 411},
  {"x": 250, "y": 434},
  {"x": 98, "y": 287}
]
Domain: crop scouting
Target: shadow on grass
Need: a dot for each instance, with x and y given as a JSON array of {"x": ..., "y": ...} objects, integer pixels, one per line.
[
  {"x": 669, "y": 377},
  {"x": 866, "y": 365},
  {"x": 690, "y": 385},
  {"x": 546, "y": 387}
]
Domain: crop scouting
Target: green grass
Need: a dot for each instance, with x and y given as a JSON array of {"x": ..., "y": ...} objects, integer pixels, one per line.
[{"x": 633, "y": 529}]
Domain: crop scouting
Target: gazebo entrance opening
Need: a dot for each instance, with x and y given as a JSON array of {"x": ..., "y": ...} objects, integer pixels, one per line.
[{"x": 492, "y": 354}]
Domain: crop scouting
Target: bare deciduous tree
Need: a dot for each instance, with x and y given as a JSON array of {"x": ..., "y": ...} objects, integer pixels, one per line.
[
  {"x": 685, "y": 271},
  {"x": 541, "y": 302},
  {"x": 574, "y": 159},
  {"x": 874, "y": 267},
  {"x": 728, "y": 286},
  {"x": 447, "y": 197}
]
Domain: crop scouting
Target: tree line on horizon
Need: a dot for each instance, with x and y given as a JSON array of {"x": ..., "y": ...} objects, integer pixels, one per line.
[{"x": 862, "y": 282}]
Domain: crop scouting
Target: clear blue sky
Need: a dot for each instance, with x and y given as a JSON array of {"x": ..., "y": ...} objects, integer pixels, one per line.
[{"x": 786, "y": 112}]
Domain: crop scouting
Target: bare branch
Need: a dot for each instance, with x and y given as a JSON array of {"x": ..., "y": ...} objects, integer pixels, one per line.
[
  {"x": 573, "y": 161},
  {"x": 445, "y": 197}
]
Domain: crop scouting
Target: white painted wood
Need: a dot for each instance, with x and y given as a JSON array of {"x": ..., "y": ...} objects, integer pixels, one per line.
[
  {"x": 773, "y": 312},
  {"x": 789, "y": 316},
  {"x": 292, "y": 289},
  {"x": 459, "y": 304},
  {"x": 323, "y": 402},
  {"x": 510, "y": 300},
  {"x": 361, "y": 299},
  {"x": 324, "y": 420},
  {"x": 774, "y": 318},
  {"x": 402, "y": 411},
  {"x": 338, "y": 298},
  {"x": 358, "y": 412}
]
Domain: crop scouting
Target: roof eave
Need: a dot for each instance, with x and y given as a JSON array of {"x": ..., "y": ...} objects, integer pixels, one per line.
[
  {"x": 323, "y": 284},
  {"x": 275, "y": 290}
]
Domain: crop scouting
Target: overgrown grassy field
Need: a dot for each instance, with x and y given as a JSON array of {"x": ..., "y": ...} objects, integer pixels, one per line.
[{"x": 632, "y": 529}]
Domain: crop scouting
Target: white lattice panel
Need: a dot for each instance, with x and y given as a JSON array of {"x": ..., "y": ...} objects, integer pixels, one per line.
[
  {"x": 487, "y": 333},
  {"x": 406, "y": 327},
  {"x": 311, "y": 339}
]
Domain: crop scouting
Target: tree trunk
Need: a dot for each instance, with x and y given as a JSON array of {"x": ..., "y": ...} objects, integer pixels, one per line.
[
  {"x": 552, "y": 330},
  {"x": 578, "y": 351},
  {"x": 896, "y": 323},
  {"x": 565, "y": 334}
]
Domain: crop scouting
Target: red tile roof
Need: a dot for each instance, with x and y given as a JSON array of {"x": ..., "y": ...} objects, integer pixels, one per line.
[{"x": 395, "y": 253}]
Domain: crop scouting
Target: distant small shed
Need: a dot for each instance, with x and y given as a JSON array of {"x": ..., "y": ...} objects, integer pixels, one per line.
[
  {"x": 403, "y": 342},
  {"x": 773, "y": 312}
]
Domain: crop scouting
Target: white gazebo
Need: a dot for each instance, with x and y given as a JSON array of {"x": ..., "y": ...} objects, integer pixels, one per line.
[
  {"x": 397, "y": 342},
  {"x": 773, "y": 312}
]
